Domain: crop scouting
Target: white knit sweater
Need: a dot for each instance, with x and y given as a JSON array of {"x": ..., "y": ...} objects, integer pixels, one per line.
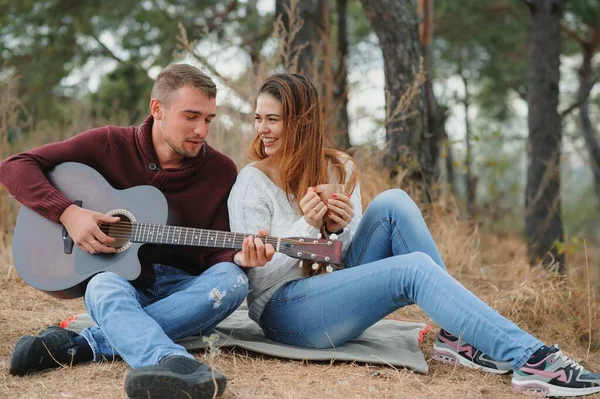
[{"x": 256, "y": 202}]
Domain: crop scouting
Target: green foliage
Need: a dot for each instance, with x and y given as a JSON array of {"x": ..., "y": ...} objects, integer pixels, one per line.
[
  {"x": 126, "y": 88},
  {"x": 359, "y": 28},
  {"x": 253, "y": 30},
  {"x": 580, "y": 16},
  {"x": 579, "y": 205},
  {"x": 569, "y": 246},
  {"x": 486, "y": 41},
  {"x": 45, "y": 41},
  {"x": 585, "y": 11}
]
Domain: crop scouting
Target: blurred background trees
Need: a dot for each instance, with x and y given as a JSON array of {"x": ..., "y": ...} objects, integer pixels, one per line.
[
  {"x": 495, "y": 101},
  {"x": 543, "y": 221}
]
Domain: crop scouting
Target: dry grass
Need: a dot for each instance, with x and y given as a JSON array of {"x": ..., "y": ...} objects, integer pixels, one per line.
[{"x": 493, "y": 267}]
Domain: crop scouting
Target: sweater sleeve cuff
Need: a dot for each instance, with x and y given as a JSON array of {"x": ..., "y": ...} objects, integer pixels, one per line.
[
  {"x": 308, "y": 230},
  {"x": 344, "y": 235},
  {"x": 346, "y": 238},
  {"x": 53, "y": 205}
]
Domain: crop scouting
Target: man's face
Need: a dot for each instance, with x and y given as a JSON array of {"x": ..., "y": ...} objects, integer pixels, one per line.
[{"x": 185, "y": 122}]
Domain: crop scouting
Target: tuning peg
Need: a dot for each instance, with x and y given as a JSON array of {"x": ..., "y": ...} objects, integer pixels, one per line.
[
  {"x": 333, "y": 236},
  {"x": 329, "y": 268},
  {"x": 315, "y": 266},
  {"x": 319, "y": 235}
]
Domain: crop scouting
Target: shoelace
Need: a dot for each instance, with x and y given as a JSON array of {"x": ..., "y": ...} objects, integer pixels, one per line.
[{"x": 565, "y": 358}]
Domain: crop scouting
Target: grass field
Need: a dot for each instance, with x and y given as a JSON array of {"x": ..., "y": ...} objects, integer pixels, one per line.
[{"x": 563, "y": 311}]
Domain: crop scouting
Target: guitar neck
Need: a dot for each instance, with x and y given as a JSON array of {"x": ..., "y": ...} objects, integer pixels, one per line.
[
  {"x": 315, "y": 249},
  {"x": 149, "y": 233}
]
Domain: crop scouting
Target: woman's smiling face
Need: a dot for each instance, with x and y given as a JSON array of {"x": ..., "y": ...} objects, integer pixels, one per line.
[{"x": 268, "y": 122}]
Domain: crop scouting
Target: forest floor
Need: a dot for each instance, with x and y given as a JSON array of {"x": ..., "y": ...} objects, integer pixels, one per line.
[{"x": 563, "y": 311}]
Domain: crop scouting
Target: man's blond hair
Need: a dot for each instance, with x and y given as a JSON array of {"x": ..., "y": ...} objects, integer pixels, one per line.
[{"x": 175, "y": 76}]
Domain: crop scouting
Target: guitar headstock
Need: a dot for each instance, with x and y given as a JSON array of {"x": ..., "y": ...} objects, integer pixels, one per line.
[{"x": 315, "y": 249}]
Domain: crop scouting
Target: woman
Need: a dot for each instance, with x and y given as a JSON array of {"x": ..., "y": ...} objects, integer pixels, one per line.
[{"x": 389, "y": 254}]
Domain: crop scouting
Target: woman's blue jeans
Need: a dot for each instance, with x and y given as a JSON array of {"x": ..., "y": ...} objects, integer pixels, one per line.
[
  {"x": 392, "y": 262},
  {"x": 140, "y": 325}
]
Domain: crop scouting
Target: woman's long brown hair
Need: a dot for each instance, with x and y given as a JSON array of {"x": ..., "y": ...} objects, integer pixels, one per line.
[{"x": 302, "y": 160}]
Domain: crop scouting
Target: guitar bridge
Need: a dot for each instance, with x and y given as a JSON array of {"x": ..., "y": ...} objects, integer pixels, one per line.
[{"x": 67, "y": 240}]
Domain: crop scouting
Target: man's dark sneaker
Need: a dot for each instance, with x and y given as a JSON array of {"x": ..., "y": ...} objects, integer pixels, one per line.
[
  {"x": 175, "y": 377},
  {"x": 556, "y": 375},
  {"x": 449, "y": 349},
  {"x": 54, "y": 347}
]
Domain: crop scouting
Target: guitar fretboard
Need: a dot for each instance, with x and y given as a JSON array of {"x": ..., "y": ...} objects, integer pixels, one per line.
[{"x": 164, "y": 234}]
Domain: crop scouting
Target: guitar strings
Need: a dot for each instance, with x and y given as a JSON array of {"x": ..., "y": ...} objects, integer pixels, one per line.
[
  {"x": 204, "y": 237},
  {"x": 238, "y": 241},
  {"x": 126, "y": 232},
  {"x": 237, "y": 245}
]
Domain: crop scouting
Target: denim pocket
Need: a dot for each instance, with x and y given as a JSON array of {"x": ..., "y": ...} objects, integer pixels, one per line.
[{"x": 294, "y": 338}]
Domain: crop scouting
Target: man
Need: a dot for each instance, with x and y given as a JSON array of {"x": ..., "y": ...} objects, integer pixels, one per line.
[{"x": 181, "y": 291}]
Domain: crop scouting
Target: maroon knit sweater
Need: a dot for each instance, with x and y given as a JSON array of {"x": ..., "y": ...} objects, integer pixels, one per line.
[{"x": 197, "y": 192}]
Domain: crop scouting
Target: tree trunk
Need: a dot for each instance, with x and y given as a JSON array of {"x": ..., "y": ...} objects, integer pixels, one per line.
[
  {"x": 316, "y": 59},
  {"x": 341, "y": 89},
  {"x": 449, "y": 160},
  {"x": 470, "y": 180},
  {"x": 587, "y": 129},
  {"x": 442, "y": 113},
  {"x": 311, "y": 12},
  {"x": 435, "y": 121},
  {"x": 395, "y": 24},
  {"x": 543, "y": 221},
  {"x": 254, "y": 46}
]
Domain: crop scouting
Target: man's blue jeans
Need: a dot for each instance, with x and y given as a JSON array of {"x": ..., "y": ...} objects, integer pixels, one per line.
[
  {"x": 140, "y": 325},
  {"x": 392, "y": 262}
]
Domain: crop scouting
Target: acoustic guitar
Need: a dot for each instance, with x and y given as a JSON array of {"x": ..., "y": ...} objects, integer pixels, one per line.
[{"x": 46, "y": 258}]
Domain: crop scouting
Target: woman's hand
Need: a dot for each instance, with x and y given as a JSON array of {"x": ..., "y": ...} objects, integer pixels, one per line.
[
  {"x": 340, "y": 212},
  {"x": 313, "y": 208}
]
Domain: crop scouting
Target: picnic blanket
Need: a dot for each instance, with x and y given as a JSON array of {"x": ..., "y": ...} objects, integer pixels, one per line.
[{"x": 388, "y": 342}]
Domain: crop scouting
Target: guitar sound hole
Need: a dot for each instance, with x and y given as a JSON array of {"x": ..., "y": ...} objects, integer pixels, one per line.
[{"x": 120, "y": 231}]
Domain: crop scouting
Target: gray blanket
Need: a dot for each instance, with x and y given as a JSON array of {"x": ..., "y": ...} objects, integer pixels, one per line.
[{"x": 388, "y": 342}]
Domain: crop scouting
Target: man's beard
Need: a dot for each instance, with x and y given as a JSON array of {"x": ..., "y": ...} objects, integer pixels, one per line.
[{"x": 179, "y": 150}]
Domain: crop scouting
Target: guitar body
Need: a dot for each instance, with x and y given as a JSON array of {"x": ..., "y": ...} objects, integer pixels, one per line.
[
  {"x": 41, "y": 250},
  {"x": 47, "y": 259}
]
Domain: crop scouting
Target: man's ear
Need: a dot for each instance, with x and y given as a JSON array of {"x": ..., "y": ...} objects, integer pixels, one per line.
[{"x": 156, "y": 109}]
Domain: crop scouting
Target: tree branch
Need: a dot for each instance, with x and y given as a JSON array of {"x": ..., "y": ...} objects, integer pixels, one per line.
[
  {"x": 236, "y": 112},
  {"x": 260, "y": 35},
  {"x": 522, "y": 93},
  {"x": 594, "y": 38},
  {"x": 570, "y": 109},
  {"x": 106, "y": 50},
  {"x": 185, "y": 44},
  {"x": 573, "y": 33},
  {"x": 221, "y": 17},
  {"x": 577, "y": 104}
]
